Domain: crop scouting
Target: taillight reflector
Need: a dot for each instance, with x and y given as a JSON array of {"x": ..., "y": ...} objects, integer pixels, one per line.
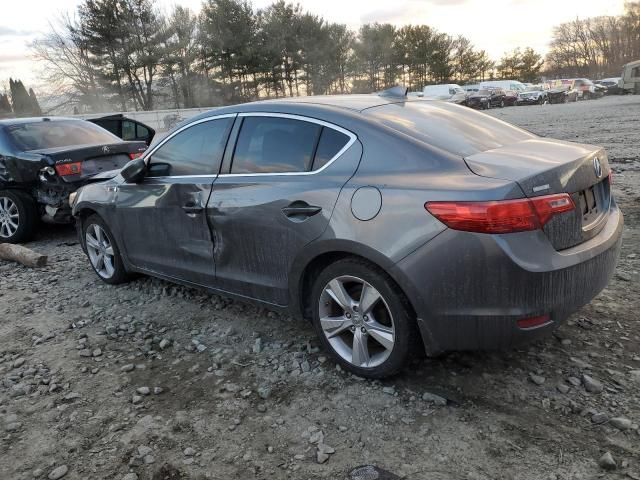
[
  {"x": 65, "y": 169},
  {"x": 501, "y": 216},
  {"x": 133, "y": 156},
  {"x": 533, "y": 322}
]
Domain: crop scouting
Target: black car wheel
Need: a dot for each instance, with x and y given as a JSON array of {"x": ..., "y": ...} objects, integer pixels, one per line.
[
  {"x": 103, "y": 251},
  {"x": 363, "y": 319},
  {"x": 18, "y": 216}
]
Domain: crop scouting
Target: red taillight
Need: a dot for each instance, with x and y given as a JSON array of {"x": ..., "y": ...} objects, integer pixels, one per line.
[
  {"x": 550, "y": 205},
  {"x": 533, "y": 322},
  {"x": 500, "y": 216},
  {"x": 65, "y": 169},
  {"x": 133, "y": 156}
]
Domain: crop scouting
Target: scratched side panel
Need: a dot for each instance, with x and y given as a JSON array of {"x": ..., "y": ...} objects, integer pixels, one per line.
[
  {"x": 159, "y": 236},
  {"x": 255, "y": 243}
]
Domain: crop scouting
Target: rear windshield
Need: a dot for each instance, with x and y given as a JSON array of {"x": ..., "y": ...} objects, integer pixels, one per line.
[
  {"x": 58, "y": 133},
  {"x": 455, "y": 129}
]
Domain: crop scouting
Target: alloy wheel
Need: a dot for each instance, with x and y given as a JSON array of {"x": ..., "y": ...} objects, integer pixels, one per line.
[
  {"x": 357, "y": 321},
  {"x": 9, "y": 217},
  {"x": 100, "y": 251}
]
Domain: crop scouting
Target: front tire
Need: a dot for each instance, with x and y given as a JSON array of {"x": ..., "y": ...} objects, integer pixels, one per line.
[
  {"x": 102, "y": 251},
  {"x": 18, "y": 217},
  {"x": 363, "y": 319}
]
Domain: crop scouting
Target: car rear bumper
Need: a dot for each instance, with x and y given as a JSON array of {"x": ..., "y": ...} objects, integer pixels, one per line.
[{"x": 469, "y": 290}]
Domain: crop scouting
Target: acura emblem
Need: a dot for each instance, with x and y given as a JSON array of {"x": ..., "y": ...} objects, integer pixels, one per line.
[
  {"x": 597, "y": 167},
  {"x": 105, "y": 149}
]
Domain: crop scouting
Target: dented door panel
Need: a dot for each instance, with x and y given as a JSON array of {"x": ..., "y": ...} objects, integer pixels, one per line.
[
  {"x": 256, "y": 238},
  {"x": 164, "y": 228}
]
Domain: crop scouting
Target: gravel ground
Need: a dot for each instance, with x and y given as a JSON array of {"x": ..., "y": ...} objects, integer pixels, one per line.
[{"x": 153, "y": 381}]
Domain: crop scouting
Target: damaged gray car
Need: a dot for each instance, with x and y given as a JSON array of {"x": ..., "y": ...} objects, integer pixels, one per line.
[
  {"x": 392, "y": 224},
  {"x": 43, "y": 160}
]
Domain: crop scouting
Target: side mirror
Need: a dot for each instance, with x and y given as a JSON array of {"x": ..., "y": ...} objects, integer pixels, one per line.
[{"x": 134, "y": 171}]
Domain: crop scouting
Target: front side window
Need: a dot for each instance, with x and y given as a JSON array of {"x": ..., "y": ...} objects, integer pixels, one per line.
[
  {"x": 197, "y": 150},
  {"x": 275, "y": 145}
]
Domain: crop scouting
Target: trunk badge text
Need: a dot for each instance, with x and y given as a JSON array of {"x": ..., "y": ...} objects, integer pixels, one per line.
[
  {"x": 597, "y": 167},
  {"x": 105, "y": 149}
]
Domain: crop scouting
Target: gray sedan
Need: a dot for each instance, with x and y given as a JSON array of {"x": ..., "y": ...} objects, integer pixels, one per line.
[{"x": 393, "y": 224}]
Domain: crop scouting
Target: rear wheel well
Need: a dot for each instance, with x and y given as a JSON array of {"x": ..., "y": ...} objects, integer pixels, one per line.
[{"x": 319, "y": 263}]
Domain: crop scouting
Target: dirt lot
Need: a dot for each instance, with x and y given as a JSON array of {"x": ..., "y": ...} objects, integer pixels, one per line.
[{"x": 151, "y": 381}]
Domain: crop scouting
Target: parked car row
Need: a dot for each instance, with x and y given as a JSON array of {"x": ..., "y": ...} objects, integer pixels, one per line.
[{"x": 503, "y": 93}]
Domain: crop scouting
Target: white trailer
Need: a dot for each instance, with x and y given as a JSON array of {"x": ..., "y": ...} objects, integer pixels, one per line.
[{"x": 630, "y": 81}]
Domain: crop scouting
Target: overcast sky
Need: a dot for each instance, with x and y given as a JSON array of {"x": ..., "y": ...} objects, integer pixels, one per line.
[{"x": 494, "y": 25}]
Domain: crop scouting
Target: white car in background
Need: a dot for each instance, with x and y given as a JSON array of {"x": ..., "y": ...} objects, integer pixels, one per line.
[{"x": 449, "y": 92}]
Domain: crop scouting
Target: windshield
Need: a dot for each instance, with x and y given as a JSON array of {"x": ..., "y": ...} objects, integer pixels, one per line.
[
  {"x": 484, "y": 92},
  {"x": 458, "y": 130},
  {"x": 40, "y": 135}
]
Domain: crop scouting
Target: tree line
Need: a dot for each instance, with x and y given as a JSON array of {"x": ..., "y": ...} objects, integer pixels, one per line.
[
  {"x": 129, "y": 55},
  {"x": 125, "y": 54},
  {"x": 595, "y": 47}
]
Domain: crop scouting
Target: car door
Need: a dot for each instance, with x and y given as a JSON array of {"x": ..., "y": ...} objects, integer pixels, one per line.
[
  {"x": 275, "y": 195},
  {"x": 162, "y": 220}
]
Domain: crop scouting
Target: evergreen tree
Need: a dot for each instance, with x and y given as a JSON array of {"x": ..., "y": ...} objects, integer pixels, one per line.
[
  {"x": 23, "y": 104},
  {"x": 5, "y": 105}
]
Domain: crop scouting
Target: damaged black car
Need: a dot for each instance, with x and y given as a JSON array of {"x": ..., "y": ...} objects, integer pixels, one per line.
[{"x": 43, "y": 161}]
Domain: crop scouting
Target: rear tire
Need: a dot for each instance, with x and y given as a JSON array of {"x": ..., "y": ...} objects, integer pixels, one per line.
[
  {"x": 102, "y": 251},
  {"x": 18, "y": 216},
  {"x": 363, "y": 319}
]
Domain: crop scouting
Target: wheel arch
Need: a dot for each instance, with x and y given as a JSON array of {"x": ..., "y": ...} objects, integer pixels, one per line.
[{"x": 318, "y": 256}]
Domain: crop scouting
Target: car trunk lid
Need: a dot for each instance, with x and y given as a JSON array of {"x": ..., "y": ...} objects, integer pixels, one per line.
[
  {"x": 94, "y": 159},
  {"x": 542, "y": 167}
]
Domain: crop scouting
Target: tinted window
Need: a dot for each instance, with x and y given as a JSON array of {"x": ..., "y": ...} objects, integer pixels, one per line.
[
  {"x": 58, "y": 133},
  {"x": 142, "y": 131},
  {"x": 331, "y": 142},
  {"x": 197, "y": 150},
  {"x": 128, "y": 130},
  {"x": 458, "y": 130},
  {"x": 112, "y": 125},
  {"x": 273, "y": 145}
]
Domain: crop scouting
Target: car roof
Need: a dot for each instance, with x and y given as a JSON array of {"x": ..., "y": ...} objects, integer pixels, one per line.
[
  {"x": 21, "y": 121},
  {"x": 321, "y": 106},
  {"x": 355, "y": 102}
]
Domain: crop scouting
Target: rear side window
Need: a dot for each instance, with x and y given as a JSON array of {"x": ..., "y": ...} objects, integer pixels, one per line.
[
  {"x": 275, "y": 145},
  {"x": 457, "y": 130},
  {"x": 58, "y": 133},
  {"x": 197, "y": 150},
  {"x": 331, "y": 142},
  {"x": 141, "y": 131}
]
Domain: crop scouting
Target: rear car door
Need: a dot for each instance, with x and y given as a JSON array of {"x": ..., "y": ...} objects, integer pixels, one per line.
[
  {"x": 162, "y": 220},
  {"x": 275, "y": 195}
]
